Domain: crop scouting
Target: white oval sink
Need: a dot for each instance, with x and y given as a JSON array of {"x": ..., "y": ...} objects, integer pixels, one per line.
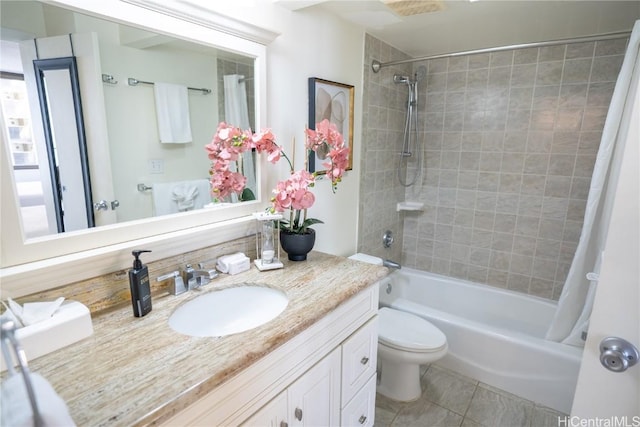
[{"x": 228, "y": 311}]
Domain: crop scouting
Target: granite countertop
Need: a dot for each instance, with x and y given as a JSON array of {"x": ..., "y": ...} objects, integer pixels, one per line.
[{"x": 138, "y": 371}]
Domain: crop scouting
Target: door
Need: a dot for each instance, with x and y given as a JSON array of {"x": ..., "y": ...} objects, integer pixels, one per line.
[
  {"x": 314, "y": 399},
  {"x": 273, "y": 414},
  {"x": 600, "y": 393},
  {"x": 86, "y": 53}
]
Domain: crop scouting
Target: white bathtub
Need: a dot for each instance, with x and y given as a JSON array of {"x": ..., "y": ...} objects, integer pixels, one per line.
[{"x": 495, "y": 336}]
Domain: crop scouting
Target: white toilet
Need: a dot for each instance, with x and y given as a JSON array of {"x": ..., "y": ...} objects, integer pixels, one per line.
[{"x": 405, "y": 341}]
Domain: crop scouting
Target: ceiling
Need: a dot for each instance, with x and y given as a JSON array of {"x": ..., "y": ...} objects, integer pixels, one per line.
[{"x": 462, "y": 25}]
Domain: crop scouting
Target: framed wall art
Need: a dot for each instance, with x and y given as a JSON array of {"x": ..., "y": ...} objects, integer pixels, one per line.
[{"x": 332, "y": 101}]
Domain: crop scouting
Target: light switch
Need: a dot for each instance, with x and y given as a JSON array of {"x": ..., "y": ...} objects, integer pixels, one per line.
[{"x": 156, "y": 166}]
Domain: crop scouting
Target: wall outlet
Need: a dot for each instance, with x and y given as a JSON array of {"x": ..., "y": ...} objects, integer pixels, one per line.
[{"x": 156, "y": 166}]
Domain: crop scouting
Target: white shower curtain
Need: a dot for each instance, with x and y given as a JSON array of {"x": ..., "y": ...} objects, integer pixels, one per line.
[
  {"x": 236, "y": 113},
  {"x": 575, "y": 304}
]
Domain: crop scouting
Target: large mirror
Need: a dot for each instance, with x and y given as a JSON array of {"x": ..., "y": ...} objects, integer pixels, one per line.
[
  {"x": 161, "y": 99},
  {"x": 152, "y": 95}
]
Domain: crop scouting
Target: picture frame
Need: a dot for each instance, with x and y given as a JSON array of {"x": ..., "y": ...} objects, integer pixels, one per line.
[{"x": 333, "y": 101}]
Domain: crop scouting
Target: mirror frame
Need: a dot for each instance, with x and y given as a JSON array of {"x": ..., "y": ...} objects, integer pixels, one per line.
[{"x": 24, "y": 261}]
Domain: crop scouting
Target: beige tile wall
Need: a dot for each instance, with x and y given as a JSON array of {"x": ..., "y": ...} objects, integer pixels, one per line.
[
  {"x": 383, "y": 121},
  {"x": 510, "y": 141}
]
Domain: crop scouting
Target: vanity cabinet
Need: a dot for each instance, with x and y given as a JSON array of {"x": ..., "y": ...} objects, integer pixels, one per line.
[
  {"x": 359, "y": 360},
  {"x": 338, "y": 390},
  {"x": 312, "y": 400},
  {"x": 322, "y": 376}
]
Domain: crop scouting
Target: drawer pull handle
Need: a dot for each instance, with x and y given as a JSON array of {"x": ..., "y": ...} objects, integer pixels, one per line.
[
  {"x": 284, "y": 424},
  {"x": 298, "y": 414},
  {"x": 362, "y": 419},
  {"x": 364, "y": 360}
]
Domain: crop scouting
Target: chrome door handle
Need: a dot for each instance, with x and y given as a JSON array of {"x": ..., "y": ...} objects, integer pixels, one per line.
[
  {"x": 364, "y": 360},
  {"x": 114, "y": 204},
  {"x": 298, "y": 414},
  {"x": 617, "y": 354},
  {"x": 101, "y": 205}
]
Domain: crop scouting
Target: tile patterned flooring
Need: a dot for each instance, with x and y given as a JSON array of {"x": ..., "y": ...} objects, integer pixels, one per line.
[{"x": 450, "y": 399}]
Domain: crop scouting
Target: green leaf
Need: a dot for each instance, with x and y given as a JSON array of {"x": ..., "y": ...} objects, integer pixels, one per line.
[
  {"x": 310, "y": 221},
  {"x": 247, "y": 194}
]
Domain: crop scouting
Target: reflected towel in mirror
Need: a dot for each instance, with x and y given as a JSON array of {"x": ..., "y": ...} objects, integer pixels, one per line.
[
  {"x": 180, "y": 196},
  {"x": 184, "y": 195},
  {"x": 172, "y": 112}
]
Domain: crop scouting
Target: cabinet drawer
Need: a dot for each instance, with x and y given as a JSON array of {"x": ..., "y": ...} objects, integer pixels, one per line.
[
  {"x": 362, "y": 408},
  {"x": 359, "y": 359}
]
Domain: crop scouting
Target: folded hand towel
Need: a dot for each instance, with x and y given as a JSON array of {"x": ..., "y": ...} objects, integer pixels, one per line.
[
  {"x": 184, "y": 195},
  {"x": 172, "y": 111},
  {"x": 16, "y": 407},
  {"x": 226, "y": 262},
  {"x": 165, "y": 201}
]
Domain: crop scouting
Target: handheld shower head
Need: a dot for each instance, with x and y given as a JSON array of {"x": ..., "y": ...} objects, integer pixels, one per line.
[{"x": 420, "y": 73}]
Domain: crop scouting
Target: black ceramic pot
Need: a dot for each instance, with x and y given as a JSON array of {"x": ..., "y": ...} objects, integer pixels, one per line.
[{"x": 297, "y": 246}]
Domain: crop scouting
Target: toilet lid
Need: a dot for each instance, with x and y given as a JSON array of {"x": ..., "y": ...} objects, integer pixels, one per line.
[{"x": 406, "y": 331}]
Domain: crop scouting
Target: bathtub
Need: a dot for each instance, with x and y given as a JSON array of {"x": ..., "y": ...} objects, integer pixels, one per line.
[{"x": 495, "y": 336}]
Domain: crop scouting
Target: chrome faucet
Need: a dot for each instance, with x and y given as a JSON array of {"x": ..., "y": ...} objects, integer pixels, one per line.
[
  {"x": 189, "y": 279},
  {"x": 177, "y": 286},
  {"x": 203, "y": 275},
  {"x": 195, "y": 278},
  {"x": 391, "y": 264}
]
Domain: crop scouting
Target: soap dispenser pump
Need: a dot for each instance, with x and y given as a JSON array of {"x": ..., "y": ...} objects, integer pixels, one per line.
[{"x": 139, "y": 284}]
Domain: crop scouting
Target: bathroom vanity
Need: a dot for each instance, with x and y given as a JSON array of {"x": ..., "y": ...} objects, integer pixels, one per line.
[{"x": 314, "y": 364}]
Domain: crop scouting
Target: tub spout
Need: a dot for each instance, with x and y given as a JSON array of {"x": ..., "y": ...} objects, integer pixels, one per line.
[{"x": 391, "y": 264}]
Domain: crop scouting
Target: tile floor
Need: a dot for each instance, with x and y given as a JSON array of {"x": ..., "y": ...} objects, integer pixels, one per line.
[{"x": 450, "y": 399}]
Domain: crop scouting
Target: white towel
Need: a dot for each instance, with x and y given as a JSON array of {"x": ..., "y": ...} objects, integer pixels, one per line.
[
  {"x": 165, "y": 201},
  {"x": 227, "y": 263},
  {"x": 184, "y": 195},
  {"x": 172, "y": 111},
  {"x": 16, "y": 406}
]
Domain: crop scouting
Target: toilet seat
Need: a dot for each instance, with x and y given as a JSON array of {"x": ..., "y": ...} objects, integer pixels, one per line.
[{"x": 408, "y": 332}]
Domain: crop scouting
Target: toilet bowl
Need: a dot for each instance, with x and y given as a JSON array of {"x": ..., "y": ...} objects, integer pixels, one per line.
[{"x": 405, "y": 341}]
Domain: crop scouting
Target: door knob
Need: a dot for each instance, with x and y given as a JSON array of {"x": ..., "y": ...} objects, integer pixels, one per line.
[
  {"x": 114, "y": 204},
  {"x": 298, "y": 414},
  {"x": 101, "y": 205},
  {"x": 617, "y": 354}
]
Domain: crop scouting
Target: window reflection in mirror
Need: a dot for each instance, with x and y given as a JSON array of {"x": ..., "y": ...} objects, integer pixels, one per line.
[{"x": 128, "y": 151}]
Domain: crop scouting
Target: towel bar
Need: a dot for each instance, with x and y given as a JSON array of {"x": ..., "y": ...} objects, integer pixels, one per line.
[{"x": 134, "y": 82}]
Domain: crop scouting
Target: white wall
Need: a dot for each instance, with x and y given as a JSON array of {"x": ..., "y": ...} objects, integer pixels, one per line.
[
  {"x": 311, "y": 44},
  {"x": 131, "y": 119}
]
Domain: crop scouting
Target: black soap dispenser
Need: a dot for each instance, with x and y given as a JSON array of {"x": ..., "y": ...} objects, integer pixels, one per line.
[{"x": 139, "y": 284}]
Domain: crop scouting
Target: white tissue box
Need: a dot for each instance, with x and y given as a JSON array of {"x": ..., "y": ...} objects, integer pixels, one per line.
[{"x": 69, "y": 324}]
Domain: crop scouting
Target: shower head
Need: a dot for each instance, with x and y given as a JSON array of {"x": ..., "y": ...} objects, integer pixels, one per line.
[{"x": 420, "y": 73}]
